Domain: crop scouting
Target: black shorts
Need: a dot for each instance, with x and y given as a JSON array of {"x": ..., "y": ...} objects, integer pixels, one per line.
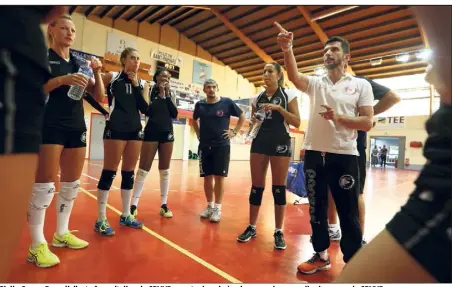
[
  {"x": 22, "y": 102},
  {"x": 423, "y": 224},
  {"x": 66, "y": 138},
  {"x": 110, "y": 134},
  {"x": 362, "y": 169},
  {"x": 151, "y": 135},
  {"x": 272, "y": 145},
  {"x": 214, "y": 160}
]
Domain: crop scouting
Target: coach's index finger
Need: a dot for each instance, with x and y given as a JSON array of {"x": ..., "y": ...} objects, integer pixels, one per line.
[{"x": 280, "y": 28}]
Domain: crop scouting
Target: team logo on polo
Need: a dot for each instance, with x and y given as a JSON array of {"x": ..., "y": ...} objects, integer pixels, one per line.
[
  {"x": 83, "y": 137},
  {"x": 350, "y": 90},
  {"x": 346, "y": 181},
  {"x": 220, "y": 113},
  {"x": 276, "y": 101}
]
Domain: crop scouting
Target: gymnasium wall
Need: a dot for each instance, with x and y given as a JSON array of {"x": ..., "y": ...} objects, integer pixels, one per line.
[
  {"x": 91, "y": 38},
  {"x": 414, "y": 130}
]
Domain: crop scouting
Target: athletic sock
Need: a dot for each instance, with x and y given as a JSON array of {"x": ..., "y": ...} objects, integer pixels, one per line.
[
  {"x": 164, "y": 185},
  {"x": 41, "y": 197},
  {"x": 65, "y": 202},
  {"x": 139, "y": 184},
  {"x": 126, "y": 198},
  {"x": 102, "y": 201}
]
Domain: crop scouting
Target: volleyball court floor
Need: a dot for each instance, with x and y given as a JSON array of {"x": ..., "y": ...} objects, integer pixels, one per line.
[{"x": 187, "y": 249}]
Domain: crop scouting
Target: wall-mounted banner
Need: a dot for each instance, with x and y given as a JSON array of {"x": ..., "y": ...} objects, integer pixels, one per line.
[
  {"x": 201, "y": 72},
  {"x": 116, "y": 43},
  {"x": 166, "y": 57},
  {"x": 173, "y": 69},
  {"x": 390, "y": 123}
]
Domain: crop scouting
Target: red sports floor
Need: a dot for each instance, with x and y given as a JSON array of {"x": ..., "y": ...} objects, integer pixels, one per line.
[{"x": 186, "y": 249}]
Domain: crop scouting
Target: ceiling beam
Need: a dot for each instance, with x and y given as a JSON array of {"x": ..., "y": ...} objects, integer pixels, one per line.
[
  {"x": 90, "y": 10},
  {"x": 334, "y": 11},
  {"x": 199, "y": 7},
  {"x": 317, "y": 29},
  {"x": 72, "y": 9},
  {"x": 106, "y": 11},
  {"x": 423, "y": 36},
  {"x": 253, "y": 46}
]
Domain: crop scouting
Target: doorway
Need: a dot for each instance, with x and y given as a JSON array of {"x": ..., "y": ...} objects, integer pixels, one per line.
[{"x": 395, "y": 156}]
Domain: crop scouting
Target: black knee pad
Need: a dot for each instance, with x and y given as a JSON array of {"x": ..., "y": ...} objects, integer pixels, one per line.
[
  {"x": 127, "y": 179},
  {"x": 106, "y": 179},
  {"x": 279, "y": 194},
  {"x": 256, "y": 195}
]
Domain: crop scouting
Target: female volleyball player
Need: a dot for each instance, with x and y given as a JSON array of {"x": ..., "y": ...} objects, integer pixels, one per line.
[
  {"x": 23, "y": 72},
  {"x": 122, "y": 138},
  {"x": 416, "y": 244},
  {"x": 158, "y": 136},
  {"x": 63, "y": 144},
  {"x": 272, "y": 145}
]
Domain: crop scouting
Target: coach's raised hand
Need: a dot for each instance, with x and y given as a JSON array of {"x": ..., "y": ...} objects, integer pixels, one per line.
[{"x": 285, "y": 38}]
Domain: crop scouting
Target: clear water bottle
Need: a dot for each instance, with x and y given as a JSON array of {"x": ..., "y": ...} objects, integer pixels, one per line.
[
  {"x": 259, "y": 118},
  {"x": 76, "y": 92}
]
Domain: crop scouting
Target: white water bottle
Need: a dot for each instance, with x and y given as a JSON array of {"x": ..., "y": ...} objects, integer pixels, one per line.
[
  {"x": 76, "y": 92},
  {"x": 254, "y": 128}
]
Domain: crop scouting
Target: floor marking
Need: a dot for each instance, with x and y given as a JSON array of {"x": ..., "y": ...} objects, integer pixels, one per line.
[{"x": 174, "y": 245}]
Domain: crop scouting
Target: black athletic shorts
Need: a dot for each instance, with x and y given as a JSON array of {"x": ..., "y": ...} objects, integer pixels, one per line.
[
  {"x": 214, "y": 160},
  {"x": 272, "y": 144},
  {"x": 110, "y": 134},
  {"x": 423, "y": 224},
  {"x": 151, "y": 135},
  {"x": 22, "y": 102},
  {"x": 66, "y": 138},
  {"x": 362, "y": 168}
]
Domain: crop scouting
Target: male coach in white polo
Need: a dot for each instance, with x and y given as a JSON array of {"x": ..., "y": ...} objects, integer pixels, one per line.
[{"x": 340, "y": 105}]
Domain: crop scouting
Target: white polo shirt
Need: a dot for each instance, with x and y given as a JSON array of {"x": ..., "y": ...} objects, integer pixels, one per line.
[{"x": 345, "y": 97}]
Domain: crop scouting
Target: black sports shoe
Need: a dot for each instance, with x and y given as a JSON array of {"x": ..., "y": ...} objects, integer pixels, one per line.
[
  {"x": 249, "y": 233},
  {"x": 280, "y": 243}
]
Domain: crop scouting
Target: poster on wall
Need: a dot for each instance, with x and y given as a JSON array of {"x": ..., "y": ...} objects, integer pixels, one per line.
[
  {"x": 116, "y": 43},
  {"x": 201, "y": 72},
  {"x": 390, "y": 123}
]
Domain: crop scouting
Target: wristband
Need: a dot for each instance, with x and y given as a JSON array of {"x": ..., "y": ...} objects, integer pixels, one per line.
[{"x": 287, "y": 49}]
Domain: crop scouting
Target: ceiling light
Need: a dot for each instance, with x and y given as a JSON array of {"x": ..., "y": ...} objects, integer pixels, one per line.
[
  {"x": 424, "y": 54},
  {"x": 376, "y": 61},
  {"x": 402, "y": 57}
]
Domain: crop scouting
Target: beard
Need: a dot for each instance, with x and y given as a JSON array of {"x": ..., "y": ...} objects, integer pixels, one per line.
[{"x": 334, "y": 65}]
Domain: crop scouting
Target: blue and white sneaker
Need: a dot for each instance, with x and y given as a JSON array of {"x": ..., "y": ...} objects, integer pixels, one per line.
[
  {"x": 103, "y": 228},
  {"x": 130, "y": 221}
]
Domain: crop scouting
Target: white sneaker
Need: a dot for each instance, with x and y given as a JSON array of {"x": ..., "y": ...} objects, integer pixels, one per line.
[
  {"x": 207, "y": 213},
  {"x": 216, "y": 215}
]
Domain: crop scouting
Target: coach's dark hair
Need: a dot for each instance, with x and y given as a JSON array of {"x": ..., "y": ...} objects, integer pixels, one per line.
[
  {"x": 53, "y": 23},
  {"x": 279, "y": 70},
  {"x": 344, "y": 43},
  {"x": 127, "y": 51}
]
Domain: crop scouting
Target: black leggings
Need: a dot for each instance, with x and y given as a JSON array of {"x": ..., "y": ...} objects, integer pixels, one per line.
[{"x": 340, "y": 173}]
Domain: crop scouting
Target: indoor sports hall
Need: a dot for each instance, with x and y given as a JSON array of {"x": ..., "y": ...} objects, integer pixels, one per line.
[{"x": 232, "y": 44}]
